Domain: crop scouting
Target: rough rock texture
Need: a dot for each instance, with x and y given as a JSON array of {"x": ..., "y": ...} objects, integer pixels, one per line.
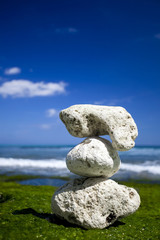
[
  {"x": 93, "y": 157},
  {"x": 94, "y": 202},
  {"x": 92, "y": 120}
]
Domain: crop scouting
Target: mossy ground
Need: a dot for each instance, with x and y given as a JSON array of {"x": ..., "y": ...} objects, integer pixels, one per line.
[{"x": 25, "y": 213}]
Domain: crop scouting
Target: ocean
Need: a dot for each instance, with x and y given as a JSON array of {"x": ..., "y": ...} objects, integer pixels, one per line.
[{"x": 139, "y": 163}]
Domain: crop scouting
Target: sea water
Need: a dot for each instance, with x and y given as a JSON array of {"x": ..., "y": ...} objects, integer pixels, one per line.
[{"x": 141, "y": 162}]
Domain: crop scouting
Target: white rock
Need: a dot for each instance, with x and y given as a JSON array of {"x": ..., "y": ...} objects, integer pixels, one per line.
[
  {"x": 92, "y": 120},
  {"x": 93, "y": 157},
  {"x": 94, "y": 202}
]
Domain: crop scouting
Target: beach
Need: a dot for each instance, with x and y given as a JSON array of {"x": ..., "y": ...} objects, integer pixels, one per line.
[
  {"x": 29, "y": 175},
  {"x": 142, "y": 163}
]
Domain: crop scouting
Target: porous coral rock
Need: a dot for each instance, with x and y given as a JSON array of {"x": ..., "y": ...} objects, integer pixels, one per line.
[
  {"x": 94, "y": 202},
  {"x": 93, "y": 157},
  {"x": 92, "y": 120}
]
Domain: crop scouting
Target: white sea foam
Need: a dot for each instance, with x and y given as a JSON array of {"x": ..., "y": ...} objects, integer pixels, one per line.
[
  {"x": 146, "y": 167},
  {"x": 142, "y": 151},
  {"x": 50, "y": 163},
  {"x": 30, "y": 166},
  {"x": 58, "y": 167}
]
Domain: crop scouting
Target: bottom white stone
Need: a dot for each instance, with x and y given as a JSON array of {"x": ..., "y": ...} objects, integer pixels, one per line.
[{"x": 94, "y": 202}]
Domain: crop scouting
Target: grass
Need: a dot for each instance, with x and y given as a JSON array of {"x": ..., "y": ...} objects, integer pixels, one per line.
[{"x": 25, "y": 213}]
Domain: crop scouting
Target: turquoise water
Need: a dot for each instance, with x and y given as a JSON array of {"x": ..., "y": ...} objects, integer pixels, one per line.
[{"x": 141, "y": 162}]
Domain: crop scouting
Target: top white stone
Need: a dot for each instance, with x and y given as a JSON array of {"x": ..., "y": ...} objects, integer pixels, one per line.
[{"x": 92, "y": 120}]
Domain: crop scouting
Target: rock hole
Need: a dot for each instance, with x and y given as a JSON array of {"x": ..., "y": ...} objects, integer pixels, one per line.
[
  {"x": 72, "y": 218},
  {"x": 131, "y": 195},
  {"x": 88, "y": 164},
  {"x": 112, "y": 216}
]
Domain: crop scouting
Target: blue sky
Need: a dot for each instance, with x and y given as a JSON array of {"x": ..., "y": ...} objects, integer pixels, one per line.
[{"x": 54, "y": 54}]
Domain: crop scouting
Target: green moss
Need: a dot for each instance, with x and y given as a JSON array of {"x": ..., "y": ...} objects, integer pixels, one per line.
[{"x": 25, "y": 213}]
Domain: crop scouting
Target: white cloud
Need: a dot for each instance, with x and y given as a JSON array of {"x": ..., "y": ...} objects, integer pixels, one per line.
[
  {"x": 72, "y": 30},
  {"x": 12, "y": 71},
  {"x": 26, "y": 88},
  {"x": 157, "y": 36},
  {"x": 66, "y": 30},
  {"x": 119, "y": 101},
  {"x": 99, "y": 102},
  {"x": 114, "y": 101},
  {"x": 45, "y": 126},
  {"x": 51, "y": 112}
]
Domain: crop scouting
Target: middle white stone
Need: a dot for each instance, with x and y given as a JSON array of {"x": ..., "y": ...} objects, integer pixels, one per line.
[{"x": 93, "y": 157}]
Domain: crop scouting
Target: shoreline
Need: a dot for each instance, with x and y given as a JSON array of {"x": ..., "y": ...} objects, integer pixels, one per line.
[
  {"x": 44, "y": 179},
  {"x": 37, "y": 180}
]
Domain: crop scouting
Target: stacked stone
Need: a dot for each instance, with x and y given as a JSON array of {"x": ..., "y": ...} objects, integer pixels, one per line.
[{"x": 93, "y": 200}]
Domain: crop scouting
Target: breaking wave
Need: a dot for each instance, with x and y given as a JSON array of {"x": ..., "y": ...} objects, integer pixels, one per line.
[{"x": 54, "y": 167}]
